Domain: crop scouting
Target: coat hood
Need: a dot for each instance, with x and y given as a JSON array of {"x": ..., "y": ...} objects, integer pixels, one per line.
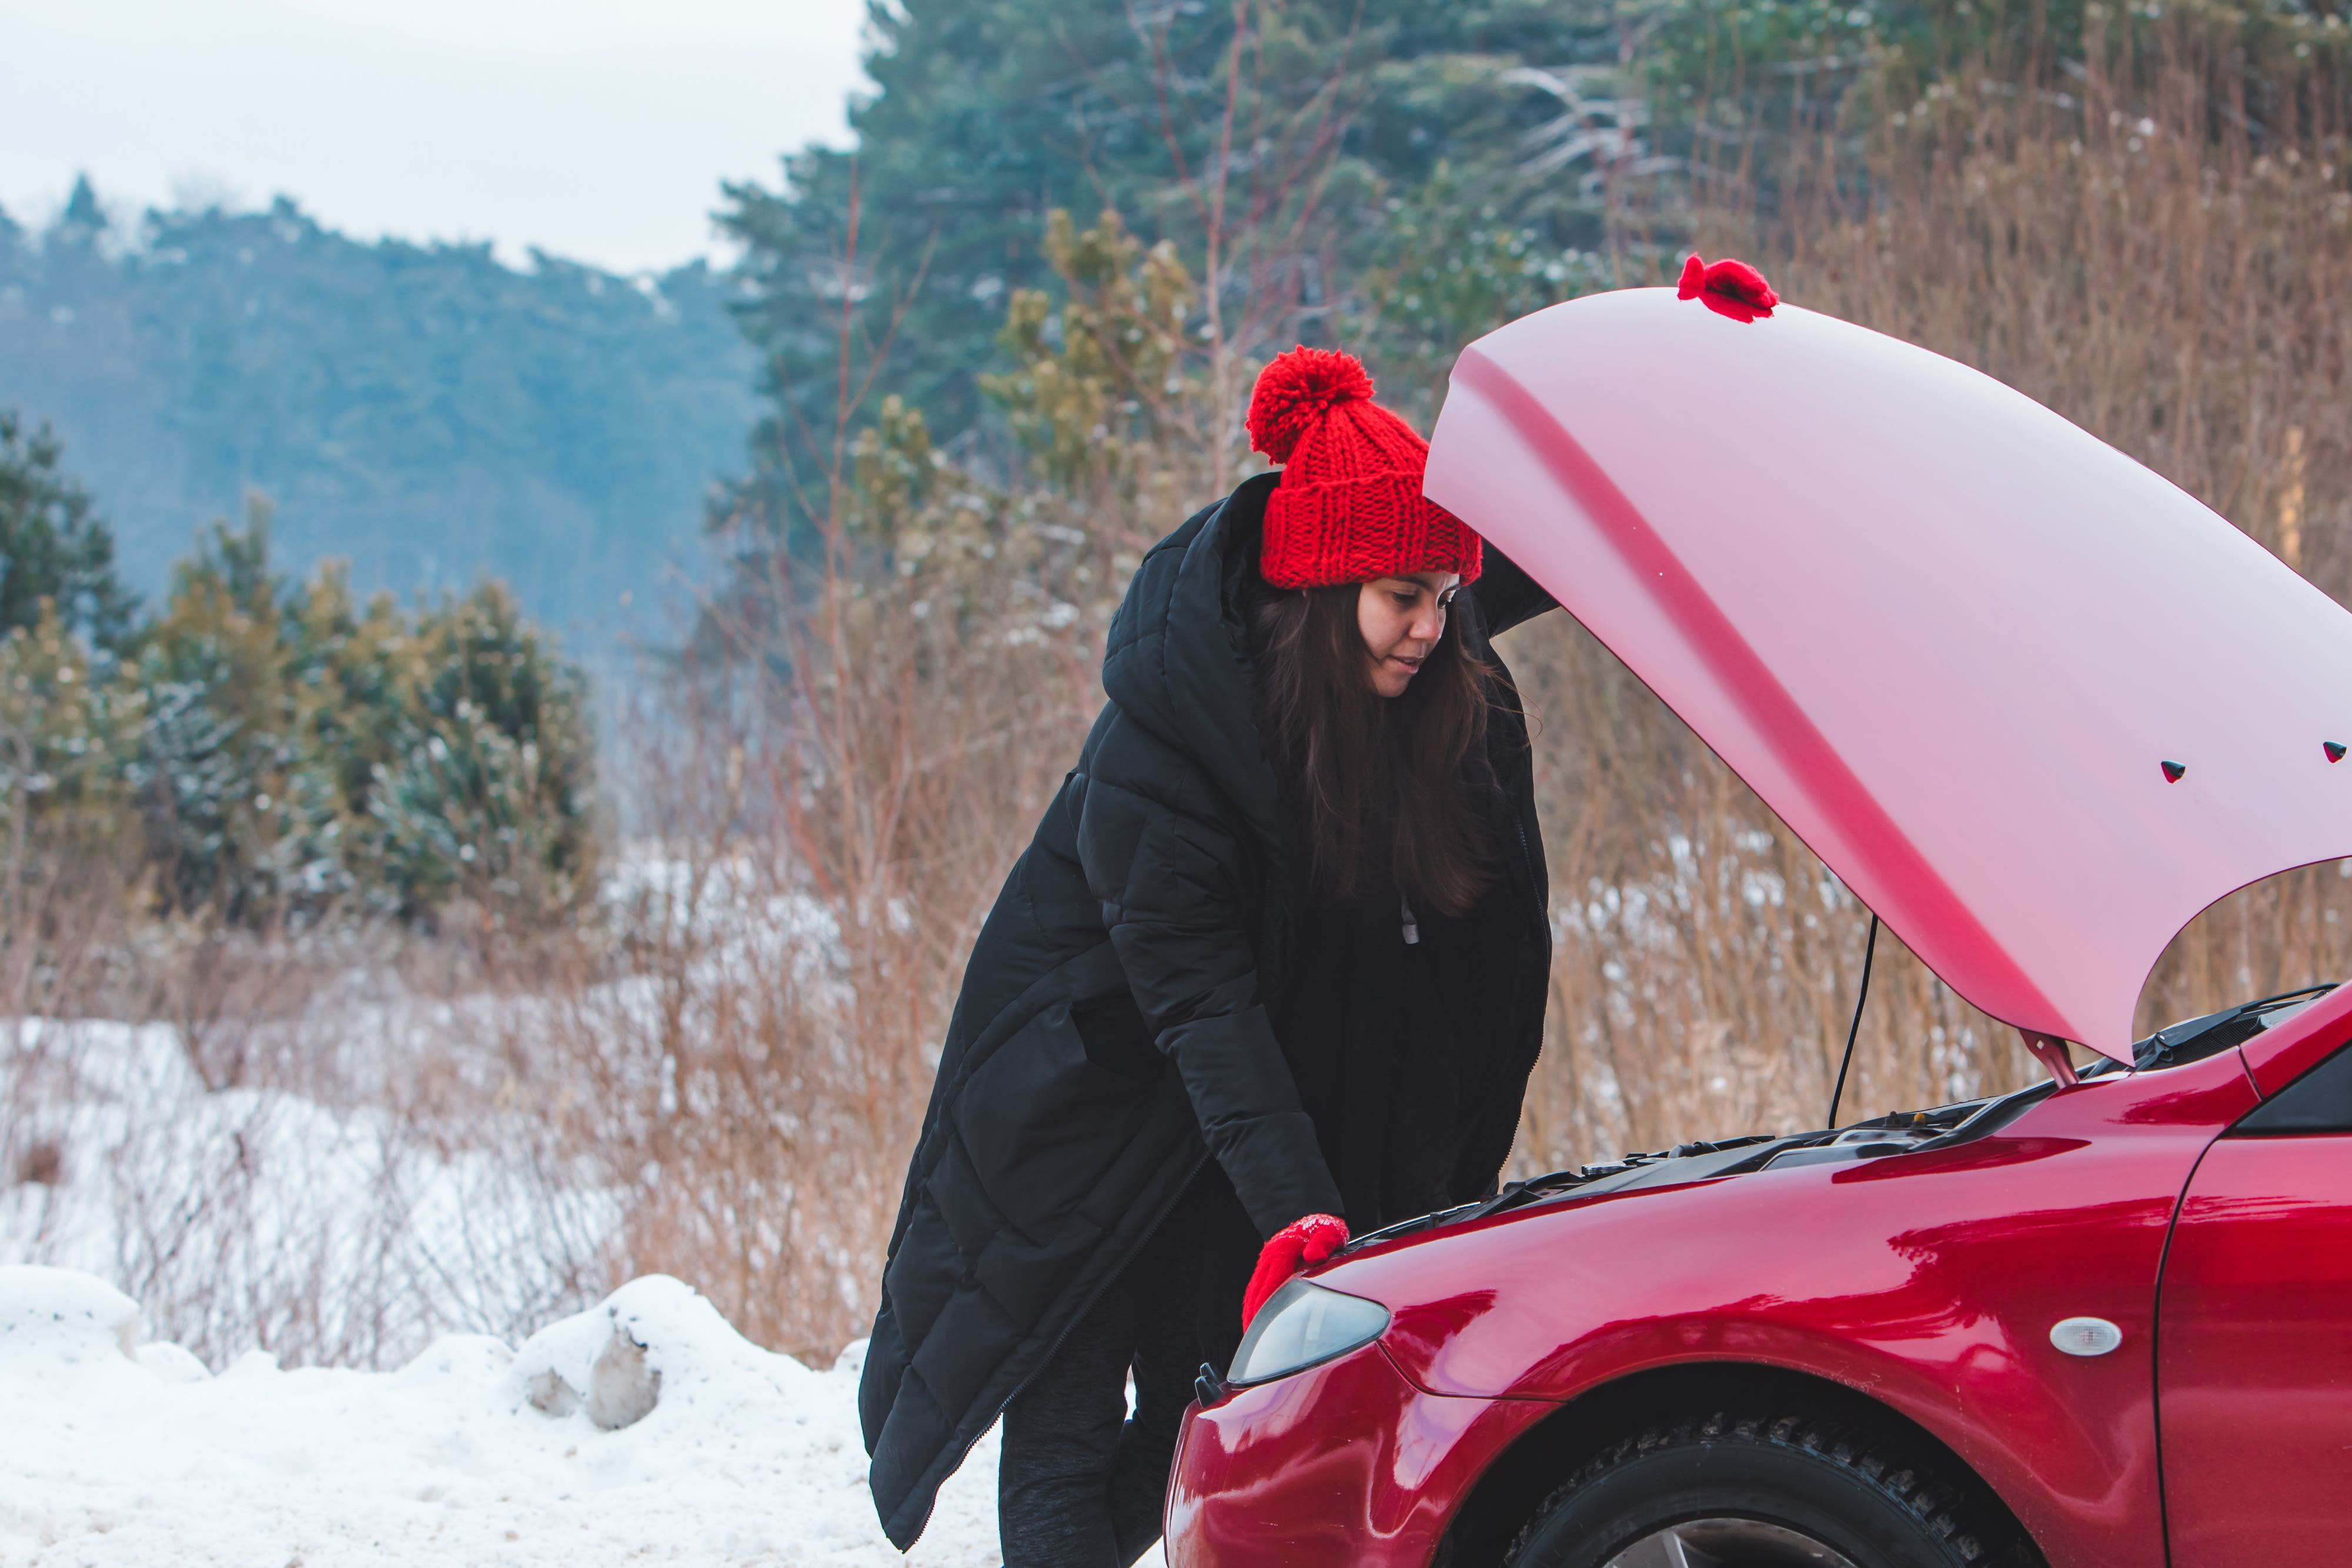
[
  {"x": 2034, "y": 704},
  {"x": 1177, "y": 658}
]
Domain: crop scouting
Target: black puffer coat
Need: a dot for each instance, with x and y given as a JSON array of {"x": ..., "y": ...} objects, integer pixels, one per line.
[{"x": 1113, "y": 1030}]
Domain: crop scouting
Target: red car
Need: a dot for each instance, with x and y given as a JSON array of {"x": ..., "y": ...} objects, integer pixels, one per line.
[{"x": 2037, "y": 708}]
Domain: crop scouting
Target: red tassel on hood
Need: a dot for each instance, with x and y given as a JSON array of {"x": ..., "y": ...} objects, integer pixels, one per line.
[{"x": 1728, "y": 288}]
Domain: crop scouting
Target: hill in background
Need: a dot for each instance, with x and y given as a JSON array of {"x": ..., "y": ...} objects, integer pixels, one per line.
[{"x": 425, "y": 410}]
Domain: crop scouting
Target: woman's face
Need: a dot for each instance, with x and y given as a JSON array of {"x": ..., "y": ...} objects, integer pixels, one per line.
[{"x": 1401, "y": 619}]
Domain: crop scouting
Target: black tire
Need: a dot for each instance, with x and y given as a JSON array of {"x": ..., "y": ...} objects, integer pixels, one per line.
[{"x": 1770, "y": 1490}]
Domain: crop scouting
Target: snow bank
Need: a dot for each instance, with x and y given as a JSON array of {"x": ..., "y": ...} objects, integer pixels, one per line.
[
  {"x": 54, "y": 1323},
  {"x": 117, "y": 1455}
]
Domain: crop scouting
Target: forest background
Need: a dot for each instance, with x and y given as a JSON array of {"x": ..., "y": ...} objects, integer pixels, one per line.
[{"x": 684, "y": 996}]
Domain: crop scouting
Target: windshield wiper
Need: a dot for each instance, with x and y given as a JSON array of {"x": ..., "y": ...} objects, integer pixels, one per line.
[
  {"x": 1517, "y": 1194},
  {"x": 2193, "y": 1040}
]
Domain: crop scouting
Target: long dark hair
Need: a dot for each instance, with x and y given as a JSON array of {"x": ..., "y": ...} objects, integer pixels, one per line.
[{"x": 1385, "y": 788}]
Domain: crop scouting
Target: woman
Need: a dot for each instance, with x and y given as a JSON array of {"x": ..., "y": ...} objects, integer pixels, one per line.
[{"x": 1273, "y": 970}]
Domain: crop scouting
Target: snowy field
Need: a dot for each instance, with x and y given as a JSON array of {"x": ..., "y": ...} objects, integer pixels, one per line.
[{"x": 122, "y": 1453}]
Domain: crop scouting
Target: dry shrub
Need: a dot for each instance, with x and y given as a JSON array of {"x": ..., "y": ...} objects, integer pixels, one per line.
[
  {"x": 60, "y": 924},
  {"x": 70, "y": 858},
  {"x": 824, "y": 828},
  {"x": 66, "y": 913},
  {"x": 368, "y": 1183}
]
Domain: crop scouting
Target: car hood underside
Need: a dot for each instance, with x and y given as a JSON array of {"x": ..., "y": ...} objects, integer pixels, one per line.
[{"x": 2034, "y": 704}]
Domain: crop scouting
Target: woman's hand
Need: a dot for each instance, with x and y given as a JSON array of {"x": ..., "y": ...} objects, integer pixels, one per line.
[{"x": 1291, "y": 1248}]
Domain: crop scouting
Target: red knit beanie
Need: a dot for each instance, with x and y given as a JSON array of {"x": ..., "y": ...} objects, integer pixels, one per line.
[{"x": 1349, "y": 506}]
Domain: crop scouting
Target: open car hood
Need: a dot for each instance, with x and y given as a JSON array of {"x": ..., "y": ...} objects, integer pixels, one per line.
[{"x": 1952, "y": 639}]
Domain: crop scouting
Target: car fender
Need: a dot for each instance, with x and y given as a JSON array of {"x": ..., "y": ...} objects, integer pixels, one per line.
[{"x": 1928, "y": 1281}]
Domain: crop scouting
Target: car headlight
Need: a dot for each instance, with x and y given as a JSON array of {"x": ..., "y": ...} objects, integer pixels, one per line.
[{"x": 1300, "y": 1325}]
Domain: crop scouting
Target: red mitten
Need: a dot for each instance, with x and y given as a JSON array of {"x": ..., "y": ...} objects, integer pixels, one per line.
[
  {"x": 1293, "y": 1248},
  {"x": 1728, "y": 288}
]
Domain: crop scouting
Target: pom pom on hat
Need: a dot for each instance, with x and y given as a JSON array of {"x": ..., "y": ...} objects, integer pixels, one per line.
[
  {"x": 1727, "y": 287},
  {"x": 1348, "y": 508},
  {"x": 1297, "y": 389}
]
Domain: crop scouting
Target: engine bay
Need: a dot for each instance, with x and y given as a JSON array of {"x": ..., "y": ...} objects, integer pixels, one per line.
[
  {"x": 1898, "y": 1133},
  {"x": 1905, "y": 1132}
]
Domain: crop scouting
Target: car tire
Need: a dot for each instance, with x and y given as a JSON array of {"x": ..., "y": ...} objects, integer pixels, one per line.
[{"x": 1771, "y": 1491}]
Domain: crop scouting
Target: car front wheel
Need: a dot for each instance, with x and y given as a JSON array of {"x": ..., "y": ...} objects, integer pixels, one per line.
[{"x": 1786, "y": 1490}]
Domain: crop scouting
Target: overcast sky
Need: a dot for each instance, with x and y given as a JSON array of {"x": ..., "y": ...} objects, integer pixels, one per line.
[{"x": 597, "y": 130}]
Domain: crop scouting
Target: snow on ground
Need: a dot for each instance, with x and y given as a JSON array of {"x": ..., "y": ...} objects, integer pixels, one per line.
[
  {"x": 340, "y": 1234},
  {"x": 134, "y": 1456}
]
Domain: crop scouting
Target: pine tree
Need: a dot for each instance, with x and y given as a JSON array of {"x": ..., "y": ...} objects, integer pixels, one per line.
[
  {"x": 54, "y": 548},
  {"x": 245, "y": 819},
  {"x": 993, "y": 114},
  {"x": 488, "y": 792},
  {"x": 300, "y": 753}
]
